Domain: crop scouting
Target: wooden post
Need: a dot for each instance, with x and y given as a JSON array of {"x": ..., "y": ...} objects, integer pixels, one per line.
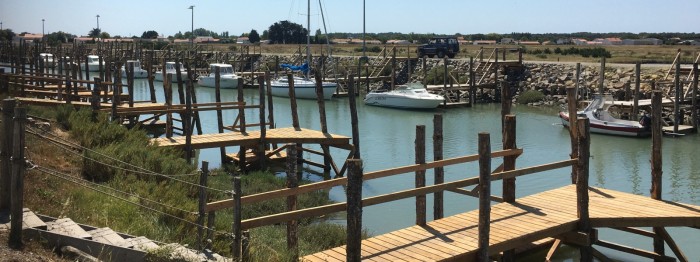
[
  {"x": 509, "y": 142},
  {"x": 151, "y": 85},
  {"x": 438, "y": 203},
  {"x": 17, "y": 186},
  {"x": 242, "y": 127},
  {"x": 168, "y": 89},
  {"x": 87, "y": 71},
  {"x": 292, "y": 225},
  {"x": 95, "y": 99},
  {"x": 6, "y": 141},
  {"x": 180, "y": 88},
  {"x": 194, "y": 115},
  {"x": 677, "y": 87},
  {"x": 293, "y": 101},
  {"x": 354, "y": 211},
  {"x": 584, "y": 223},
  {"x": 495, "y": 71},
  {"x": 219, "y": 114},
  {"x": 263, "y": 127},
  {"x": 656, "y": 160},
  {"x": 472, "y": 82},
  {"x": 393, "y": 69},
  {"x": 101, "y": 67},
  {"x": 130, "y": 84},
  {"x": 420, "y": 175},
  {"x": 484, "y": 196},
  {"x": 601, "y": 79},
  {"x": 322, "y": 118},
  {"x": 237, "y": 194},
  {"x": 444, "y": 79},
  {"x": 637, "y": 84},
  {"x": 694, "y": 99},
  {"x": 202, "y": 203},
  {"x": 210, "y": 229},
  {"x": 187, "y": 124},
  {"x": 577, "y": 83},
  {"x": 505, "y": 103},
  {"x": 268, "y": 87},
  {"x": 573, "y": 128},
  {"x": 353, "y": 117}
]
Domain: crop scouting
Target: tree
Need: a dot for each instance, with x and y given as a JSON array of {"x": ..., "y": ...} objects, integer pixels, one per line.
[
  {"x": 178, "y": 35},
  {"x": 266, "y": 35},
  {"x": 6, "y": 35},
  {"x": 104, "y": 35},
  {"x": 149, "y": 35},
  {"x": 56, "y": 38},
  {"x": 95, "y": 32},
  {"x": 254, "y": 37},
  {"x": 285, "y": 32}
]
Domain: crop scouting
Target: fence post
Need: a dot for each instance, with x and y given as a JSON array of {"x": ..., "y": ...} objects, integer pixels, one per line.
[
  {"x": 573, "y": 127},
  {"x": 353, "y": 248},
  {"x": 202, "y": 204},
  {"x": 17, "y": 186},
  {"x": 420, "y": 174},
  {"x": 292, "y": 199},
  {"x": 8, "y": 111},
  {"x": 438, "y": 203},
  {"x": 353, "y": 116},
  {"x": 656, "y": 160},
  {"x": 263, "y": 126},
  {"x": 236, "y": 245},
  {"x": 484, "y": 196},
  {"x": 584, "y": 224}
]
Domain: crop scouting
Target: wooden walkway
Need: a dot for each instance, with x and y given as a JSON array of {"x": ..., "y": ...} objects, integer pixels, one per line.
[
  {"x": 277, "y": 135},
  {"x": 531, "y": 218}
]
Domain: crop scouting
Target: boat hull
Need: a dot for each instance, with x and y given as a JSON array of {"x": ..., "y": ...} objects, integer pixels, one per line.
[
  {"x": 224, "y": 82},
  {"x": 304, "y": 91},
  {"x": 602, "y": 127},
  {"x": 400, "y": 101}
]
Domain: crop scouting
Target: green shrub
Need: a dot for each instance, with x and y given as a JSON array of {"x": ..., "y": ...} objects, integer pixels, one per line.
[{"x": 530, "y": 96}]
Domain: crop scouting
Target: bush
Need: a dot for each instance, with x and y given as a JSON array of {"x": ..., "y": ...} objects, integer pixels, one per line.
[{"x": 530, "y": 96}]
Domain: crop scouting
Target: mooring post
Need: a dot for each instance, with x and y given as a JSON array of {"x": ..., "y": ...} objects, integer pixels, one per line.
[
  {"x": 130, "y": 84},
  {"x": 168, "y": 89},
  {"x": 151, "y": 85},
  {"x": 420, "y": 175},
  {"x": 584, "y": 223},
  {"x": 656, "y": 160},
  {"x": 505, "y": 103},
  {"x": 115, "y": 99},
  {"x": 180, "y": 87},
  {"x": 95, "y": 99},
  {"x": 194, "y": 114},
  {"x": 353, "y": 117},
  {"x": 17, "y": 186},
  {"x": 322, "y": 117},
  {"x": 353, "y": 249},
  {"x": 495, "y": 70},
  {"x": 237, "y": 194},
  {"x": 677, "y": 99},
  {"x": 293, "y": 101},
  {"x": 438, "y": 203},
  {"x": 8, "y": 111},
  {"x": 472, "y": 82},
  {"x": 263, "y": 127},
  {"x": 219, "y": 114},
  {"x": 187, "y": 125},
  {"x": 292, "y": 182},
  {"x": 573, "y": 127},
  {"x": 601, "y": 79},
  {"x": 393, "y": 69},
  {"x": 242, "y": 161},
  {"x": 101, "y": 67},
  {"x": 484, "y": 196},
  {"x": 509, "y": 136},
  {"x": 637, "y": 84},
  {"x": 87, "y": 71},
  {"x": 694, "y": 113},
  {"x": 202, "y": 204}
]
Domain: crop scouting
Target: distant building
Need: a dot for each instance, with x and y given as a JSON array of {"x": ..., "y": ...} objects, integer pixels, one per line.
[
  {"x": 243, "y": 40},
  {"x": 463, "y": 41},
  {"x": 27, "y": 37},
  {"x": 119, "y": 40},
  {"x": 579, "y": 41},
  {"x": 564, "y": 41},
  {"x": 507, "y": 41},
  {"x": 84, "y": 39},
  {"x": 529, "y": 43},
  {"x": 398, "y": 42},
  {"x": 484, "y": 42},
  {"x": 608, "y": 41},
  {"x": 644, "y": 41}
]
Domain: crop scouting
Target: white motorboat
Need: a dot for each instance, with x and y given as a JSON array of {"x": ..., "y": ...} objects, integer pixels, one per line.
[
  {"x": 304, "y": 88},
  {"x": 93, "y": 63},
  {"x": 411, "y": 96},
  {"x": 602, "y": 122},
  {"x": 227, "y": 78},
  {"x": 170, "y": 69},
  {"x": 138, "y": 71},
  {"x": 47, "y": 58}
]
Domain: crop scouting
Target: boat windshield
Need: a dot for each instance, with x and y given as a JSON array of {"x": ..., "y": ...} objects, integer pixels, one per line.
[{"x": 92, "y": 59}]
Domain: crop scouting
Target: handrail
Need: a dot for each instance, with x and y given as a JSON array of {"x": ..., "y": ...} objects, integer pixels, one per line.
[
  {"x": 338, "y": 207},
  {"x": 488, "y": 62},
  {"x": 228, "y": 203}
]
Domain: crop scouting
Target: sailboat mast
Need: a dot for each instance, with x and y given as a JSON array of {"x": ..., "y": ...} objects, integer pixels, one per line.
[{"x": 308, "y": 36}]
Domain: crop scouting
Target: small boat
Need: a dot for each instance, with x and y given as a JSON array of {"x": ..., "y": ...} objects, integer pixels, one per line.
[
  {"x": 170, "y": 69},
  {"x": 410, "y": 96},
  {"x": 227, "y": 78},
  {"x": 603, "y": 123},
  {"x": 138, "y": 71},
  {"x": 93, "y": 63},
  {"x": 304, "y": 88},
  {"x": 47, "y": 58}
]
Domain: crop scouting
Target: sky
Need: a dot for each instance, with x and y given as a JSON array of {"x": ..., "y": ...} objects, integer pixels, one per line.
[{"x": 132, "y": 17}]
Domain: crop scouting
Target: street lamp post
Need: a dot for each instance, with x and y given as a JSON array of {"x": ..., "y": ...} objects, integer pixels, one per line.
[
  {"x": 42, "y": 29},
  {"x": 98, "y": 21},
  {"x": 192, "y": 27}
]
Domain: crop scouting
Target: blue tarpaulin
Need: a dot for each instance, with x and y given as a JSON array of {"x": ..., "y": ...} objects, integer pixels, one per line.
[{"x": 303, "y": 68}]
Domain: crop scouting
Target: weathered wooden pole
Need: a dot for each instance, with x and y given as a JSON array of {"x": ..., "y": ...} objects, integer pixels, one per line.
[
  {"x": 484, "y": 196},
  {"x": 584, "y": 223},
  {"x": 168, "y": 90},
  {"x": 194, "y": 115},
  {"x": 505, "y": 103},
  {"x": 393, "y": 69},
  {"x": 17, "y": 186},
  {"x": 322, "y": 117},
  {"x": 6, "y": 140},
  {"x": 438, "y": 201},
  {"x": 236, "y": 227},
  {"x": 219, "y": 114},
  {"x": 354, "y": 211},
  {"x": 95, "y": 98},
  {"x": 151, "y": 85},
  {"x": 509, "y": 142},
  {"x": 263, "y": 128},
  {"x": 472, "y": 82},
  {"x": 353, "y": 117},
  {"x": 129, "y": 82},
  {"x": 270, "y": 105},
  {"x": 656, "y": 160},
  {"x": 87, "y": 71},
  {"x": 677, "y": 87},
  {"x": 573, "y": 127},
  {"x": 180, "y": 87},
  {"x": 202, "y": 204},
  {"x": 495, "y": 71},
  {"x": 420, "y": 175},
  {"x": 187, "y": 125},
  {"x": 637, "y": 85},
  {"x": 694, "y": 99},
  {"x": 292, "y": 182},
  {"x": 601, "y": 79},
  {"x": 293, "y": 101}
]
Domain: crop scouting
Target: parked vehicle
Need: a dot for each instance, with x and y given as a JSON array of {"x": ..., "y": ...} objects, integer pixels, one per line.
[{"x": 439, "y": 46}]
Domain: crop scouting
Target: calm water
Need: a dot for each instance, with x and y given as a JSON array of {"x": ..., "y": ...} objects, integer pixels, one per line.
[{"x": 387, "y": 140}]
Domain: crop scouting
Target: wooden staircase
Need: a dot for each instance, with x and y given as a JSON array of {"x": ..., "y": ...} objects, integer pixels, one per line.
[{"x": 103, "y": 243}]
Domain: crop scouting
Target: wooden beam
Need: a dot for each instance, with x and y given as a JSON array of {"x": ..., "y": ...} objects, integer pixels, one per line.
[
  {"x": 552, "y": 250},
  {"x": 672, "y": 244},
  {"x": 634, "y": 251},
  {"x": 637, "y": 231}
]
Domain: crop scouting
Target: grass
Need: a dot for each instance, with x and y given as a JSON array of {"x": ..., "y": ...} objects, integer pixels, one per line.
[
  {"x": 530, "y": 96},
  {"x": 127, "y": 197}
]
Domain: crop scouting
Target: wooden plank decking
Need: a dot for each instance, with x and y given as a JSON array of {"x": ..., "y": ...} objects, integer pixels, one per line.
[
  {"x": 277, "y": 135},
  {"x": 531, "y": 218}
]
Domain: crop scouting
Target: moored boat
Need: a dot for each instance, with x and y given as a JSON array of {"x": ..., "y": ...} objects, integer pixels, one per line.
[
  {"x": 304, "y": 88},
  {"x": 170, "y": 69},
  {"x": 47, "y": 59},
  {"x": 93, "y": 63},
  {"x": 138, "y": 71},
  {"x": 227, "y": 78},
  {"x": 409, "y": 96},
  {"x": 603, "y": 123}
]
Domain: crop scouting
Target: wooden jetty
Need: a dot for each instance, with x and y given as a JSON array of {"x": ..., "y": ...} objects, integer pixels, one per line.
[{"x": 548, "y": 214}]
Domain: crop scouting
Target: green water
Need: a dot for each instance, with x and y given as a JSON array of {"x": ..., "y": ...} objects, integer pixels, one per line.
[{"x": 387, "y": 140}]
